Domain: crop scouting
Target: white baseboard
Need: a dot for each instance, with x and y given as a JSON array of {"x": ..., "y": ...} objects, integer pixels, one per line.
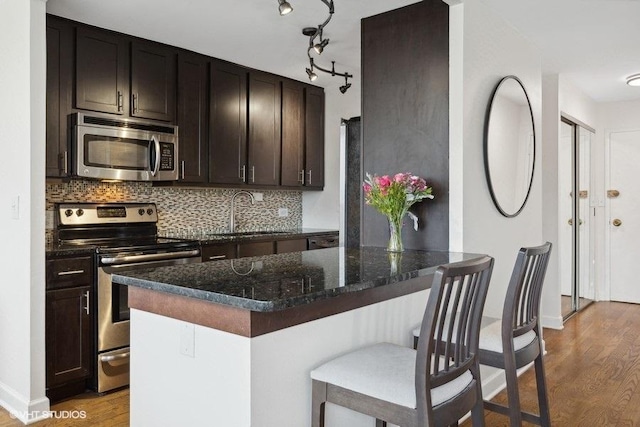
[
  {"x": 25, "y": 410},
  {"x": 553, "y": 322}
]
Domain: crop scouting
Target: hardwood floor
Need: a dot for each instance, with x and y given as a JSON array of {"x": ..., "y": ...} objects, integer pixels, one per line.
[
  {"x": 592, "y": 366},
  {"x": 110, "y": 410},
  {"x": 592, "y": 370}
]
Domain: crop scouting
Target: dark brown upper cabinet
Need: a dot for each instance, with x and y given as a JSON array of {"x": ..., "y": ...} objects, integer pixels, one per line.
[
  {"x": 153, "y": 81},
  {"x": 292, "y": 172},
  {"x": 192, "y": 118},
  {"x": 264, "y": 129},
  {"x": 314, "y": 137},
  {"x": 59, "y": 94},
  {"x": 102, "y": 67},
  {"x": 228, "y": 124}
]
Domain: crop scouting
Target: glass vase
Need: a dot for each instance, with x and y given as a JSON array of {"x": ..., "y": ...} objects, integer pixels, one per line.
[{"x": 395, "y": 235}]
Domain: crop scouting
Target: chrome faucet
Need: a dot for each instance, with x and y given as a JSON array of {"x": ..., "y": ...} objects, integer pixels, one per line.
[{"x": 232, "y": 220}]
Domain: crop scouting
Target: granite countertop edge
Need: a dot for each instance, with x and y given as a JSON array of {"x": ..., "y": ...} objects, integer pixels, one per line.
[{"x": 274, "y": 305}]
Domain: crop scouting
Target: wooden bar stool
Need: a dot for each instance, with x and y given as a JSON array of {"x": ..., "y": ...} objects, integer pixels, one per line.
[
  {"x": 517, "y": 340},
  {"x": 435, "y": 385}
]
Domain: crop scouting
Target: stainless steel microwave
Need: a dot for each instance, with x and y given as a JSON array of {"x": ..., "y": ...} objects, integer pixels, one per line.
[{"x": 114, "y": 148}]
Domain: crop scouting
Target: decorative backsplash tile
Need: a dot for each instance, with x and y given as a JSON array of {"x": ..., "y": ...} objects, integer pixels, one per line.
[{"x": 187, "y": 211}]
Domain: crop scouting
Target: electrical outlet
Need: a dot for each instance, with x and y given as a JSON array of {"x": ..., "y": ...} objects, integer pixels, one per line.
[
  {"x": 258, "y": 197},
  {"x": 283, "y": 212},
  {"x": 187, "y": 339}
]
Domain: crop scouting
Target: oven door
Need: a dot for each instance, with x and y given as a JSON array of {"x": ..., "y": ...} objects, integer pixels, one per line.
[
  {"x": 125, "y": 154},
  {"x": 112, "y": 358}
]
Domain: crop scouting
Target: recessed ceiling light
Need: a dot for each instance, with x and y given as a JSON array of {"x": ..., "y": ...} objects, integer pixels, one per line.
[{"x": 633, "y": 80}]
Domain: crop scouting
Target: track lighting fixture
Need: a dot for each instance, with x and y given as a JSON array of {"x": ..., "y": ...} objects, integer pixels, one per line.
[
  {"x": 318, "y": 46},
  {"x": 284, "y": 7},
  {"x": 312, "y": 76}
]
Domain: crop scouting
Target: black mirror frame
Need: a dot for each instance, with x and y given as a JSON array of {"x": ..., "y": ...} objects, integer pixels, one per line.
[{"x": 486, "y": 148}]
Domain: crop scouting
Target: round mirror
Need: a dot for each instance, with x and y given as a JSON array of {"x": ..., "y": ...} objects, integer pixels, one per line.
[{"x": 509, "y": 146}]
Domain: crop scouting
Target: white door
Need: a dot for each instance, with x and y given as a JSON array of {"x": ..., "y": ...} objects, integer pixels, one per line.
[{"x": 623, "y": 227}]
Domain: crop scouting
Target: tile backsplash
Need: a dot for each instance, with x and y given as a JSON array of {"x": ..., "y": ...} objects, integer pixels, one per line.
[{"x": 186, "y": 211}]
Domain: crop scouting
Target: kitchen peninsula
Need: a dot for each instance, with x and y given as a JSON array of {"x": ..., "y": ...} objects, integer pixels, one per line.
[{"x": 232, "y": 342}]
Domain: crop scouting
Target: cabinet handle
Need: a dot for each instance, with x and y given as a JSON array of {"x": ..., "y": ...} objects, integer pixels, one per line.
[
  {"x": 253, "y": 174},
  {"x": 243, "y": 170},
  {"x": 70, "y": 272},
  {"x": 86, "y": 307},
  {"x": 120, "y": 103},
  {"x": 182, "y": 169},
  {"x": 301, "y": 179},
  {"x": 65, "y": 163},
  {"x": 112, "y": 357},
  {"x": 135, "y": 103},
  {"x": 309, "y": 179},
  {"x": 211, "y": 258}
]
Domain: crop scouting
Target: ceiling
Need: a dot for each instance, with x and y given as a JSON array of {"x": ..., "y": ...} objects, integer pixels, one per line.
[{"x": 593, "y": 43}]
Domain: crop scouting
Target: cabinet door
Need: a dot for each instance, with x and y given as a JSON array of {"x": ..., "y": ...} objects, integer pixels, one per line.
[
  {"x": 68, "y": 335},
  {"x": 264, "y": 129},
  {"x": 153, "y": 81},
  {"x": 193, "y": 96},
  {"x": 228, "y": 124},
  {"x": 59, "y": 92},
  {"x": 314, "y": 141},
  {"x": 296, "y": 245},
  {"x": 292, "y": 173},
  {"x": 101, "y": 71}
]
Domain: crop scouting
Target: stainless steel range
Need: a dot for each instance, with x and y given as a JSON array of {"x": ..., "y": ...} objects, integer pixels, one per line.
[{"x": 125, "y": 238}]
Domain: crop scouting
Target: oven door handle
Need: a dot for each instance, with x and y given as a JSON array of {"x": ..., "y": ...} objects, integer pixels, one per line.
[
  {"x": 113, "y": 357},
  {"x": 148, "y": 257}
]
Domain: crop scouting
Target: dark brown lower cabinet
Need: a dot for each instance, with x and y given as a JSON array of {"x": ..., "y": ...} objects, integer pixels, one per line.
[
  {"x": 69, "y": 332},
  {"x": 68, "y": 336}
]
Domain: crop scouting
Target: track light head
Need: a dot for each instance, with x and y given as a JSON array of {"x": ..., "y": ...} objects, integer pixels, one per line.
[
  {"x": 344, "y": 88},
  {"x": 319, "y": 47},
  {"x": 284, "y": 7},
  {"x": 312, "y": 76}
]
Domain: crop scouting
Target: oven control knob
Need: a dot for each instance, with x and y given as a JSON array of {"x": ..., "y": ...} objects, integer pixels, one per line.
[
  {"x": 68, "y": 212},
  {"x": 141, "y": 211},
  {"x": 149, "y": 211},
  {"x": 79, "y": 212}
]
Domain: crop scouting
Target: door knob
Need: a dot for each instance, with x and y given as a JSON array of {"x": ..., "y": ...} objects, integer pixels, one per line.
[
  {"x": 570, "y": 222},
  {"x": 616, "y": 222},
  {"x": 612, "y": 194}
]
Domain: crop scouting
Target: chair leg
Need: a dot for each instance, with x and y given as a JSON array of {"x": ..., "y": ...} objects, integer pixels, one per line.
[
  {"x": 477, "y": 412},
  {"x": 380, "y": 423},
  {"x": 541, "y": 385},
  {"x": 318, "y": 403},
  {"x": 513, "y": 395}
]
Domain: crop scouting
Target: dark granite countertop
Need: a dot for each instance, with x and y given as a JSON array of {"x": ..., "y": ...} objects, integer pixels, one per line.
[
  {"x": 242, "y": 236},
  {"x": 276, "y": 282},
  {"x": 55, "y": 249}
]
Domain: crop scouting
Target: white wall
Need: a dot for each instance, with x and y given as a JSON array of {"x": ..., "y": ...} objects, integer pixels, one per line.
[
  {"x": 321, "y": 209},
  {"x": 491, "y": 49},
  {"x": 22, "y": 130}
]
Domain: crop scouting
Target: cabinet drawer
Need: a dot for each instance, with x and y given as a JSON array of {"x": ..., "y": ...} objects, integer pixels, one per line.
[
  {"x": 319, "y": 242},
  {"x": 296, "y": 245},
  {"x": 67, "y": 272},
  {"x": 218, "y": 252},
  {"x": 255, "y": 249}
]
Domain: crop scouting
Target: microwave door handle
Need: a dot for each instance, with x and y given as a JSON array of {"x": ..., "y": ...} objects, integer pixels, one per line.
[{"x": 154, "y": 146}]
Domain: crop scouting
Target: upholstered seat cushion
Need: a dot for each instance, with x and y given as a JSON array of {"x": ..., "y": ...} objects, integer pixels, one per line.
[
  {"x": 491, "y": 338},
  {"x": 387, "y": 372}
]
